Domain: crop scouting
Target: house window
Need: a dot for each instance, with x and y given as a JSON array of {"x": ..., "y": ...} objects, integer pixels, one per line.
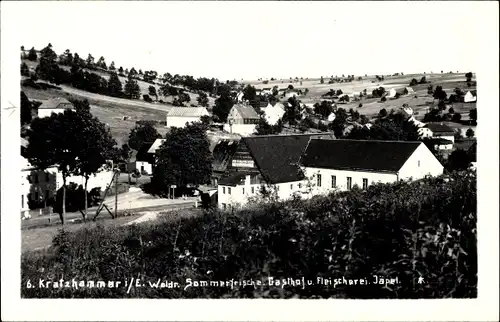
[
  {"x": 319, "y": 180},
  {"x": 419, "y": 163},
  {"x": 22, "y": 201},
  {"x": 291, "y": 186},
  {"x": 224, "y": 206},
  {"x": 365, "y": 183},
  {"x": 36, "y": 178},
  {"x": 277, "y": 188},
  {"x": 47, "y": 177},
  {"x": 223, "y": 190},
  {"x": 36, "y": 196},
  {"x": 349, "y": 183},
  {"x": 243, "y": 190},
  {"x": 253, "y": 190},
  {"x": 300, "y": 185},
  {"x": 334, "y": 181},
  {"x": 229, "y": 190}
]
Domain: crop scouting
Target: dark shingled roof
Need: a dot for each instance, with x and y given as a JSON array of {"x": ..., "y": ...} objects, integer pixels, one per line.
[
  {"x": 143, "y": 155},
  {"x": 234, "y": 179},
  {"x": 439, "y": 127},
  {"x": 369, "y": 155},
  {"x": 439, "y": 141},
  {"x": 277, "y": 156}
]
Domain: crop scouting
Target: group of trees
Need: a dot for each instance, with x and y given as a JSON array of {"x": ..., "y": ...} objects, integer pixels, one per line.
[
  {"x": 74, "y": 141},
  {"x": 414, "y": 81},
  {"x": 183, "y": 160}
]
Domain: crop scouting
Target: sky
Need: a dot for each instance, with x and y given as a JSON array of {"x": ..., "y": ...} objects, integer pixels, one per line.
[{"x": 235, "y": 40}]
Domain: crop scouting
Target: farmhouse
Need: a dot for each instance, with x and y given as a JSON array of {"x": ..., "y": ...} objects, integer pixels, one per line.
[
  {"x": 54, "y": 105},
  {"x": 242, "y": 120},
  {"x": 222, "y": 146},
  {"x": 267, "y": 160},
  {"x": 40, "y": 186},
  {"x": 274, "y": 113},
  {"x": 144, "y": 160},
  {"x": 291, "y": 93},
  {"x": 470, "y": 97},
  {"x": 343, "y": 164},
  {"x": 409, "y": 91},
  {"x": 266, "y": 91},
  {"x": 437, "y": 130},
  {"x": 179, "y": 116}
]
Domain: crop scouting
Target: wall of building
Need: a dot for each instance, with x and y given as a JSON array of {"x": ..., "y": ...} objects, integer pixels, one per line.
[
  {"x": 180, "y": 121},
  {"x": 46, "y": 112},
  {"x": 148, "y": 168},
  {"x": 241, "y": 129},
  {"x": 37, "y": 185},
  {"x": 237, "y": 196},
  {"x": 341, "y": 179},
  {"x": 421, "y": 163}
]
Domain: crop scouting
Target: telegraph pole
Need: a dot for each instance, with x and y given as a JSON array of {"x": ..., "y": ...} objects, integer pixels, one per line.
[{"x": 116, "y": 193}]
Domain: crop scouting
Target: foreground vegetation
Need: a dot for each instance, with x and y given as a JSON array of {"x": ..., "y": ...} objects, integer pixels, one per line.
[{"x": 406, "y": 230}]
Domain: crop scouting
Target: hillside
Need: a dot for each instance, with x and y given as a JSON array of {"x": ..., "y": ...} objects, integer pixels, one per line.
[{"x": 144, "y": 86}]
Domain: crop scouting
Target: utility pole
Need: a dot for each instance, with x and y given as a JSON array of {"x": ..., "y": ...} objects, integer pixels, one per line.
[{"x": 116, "y": 193}]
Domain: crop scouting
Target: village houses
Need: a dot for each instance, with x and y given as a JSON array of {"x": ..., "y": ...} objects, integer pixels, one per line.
[
  {"x": 310, "y": 164},
  {"x": 54, "y": 105},
  {"x": 242, "y": 120},
  {"x": 178, "y": 116},
  {"x": 437, "y": 130},
  {"x": 39, "y": 185}
]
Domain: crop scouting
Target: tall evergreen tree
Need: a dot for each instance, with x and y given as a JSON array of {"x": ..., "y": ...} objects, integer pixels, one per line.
[
  {"x": 132, "y": 89},
  {"x": 114, "y": 85}
]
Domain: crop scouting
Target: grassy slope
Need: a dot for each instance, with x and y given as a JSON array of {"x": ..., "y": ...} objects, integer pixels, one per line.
[
  {"x": 143, "y": 85},
  {"x": 108, "y": 112},
  {"x": 371, "y": 107}
]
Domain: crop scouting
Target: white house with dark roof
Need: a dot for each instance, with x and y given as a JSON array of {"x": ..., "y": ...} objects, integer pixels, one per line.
[
  {"x": 178, "y": 116},
  {"x": 270, "y": 161},
  {"x": 342, "y": 164},
  {"x": 437, "y": 130},
  {"x": 54, "y": 105},
  {"x": 242, "y": 120}
]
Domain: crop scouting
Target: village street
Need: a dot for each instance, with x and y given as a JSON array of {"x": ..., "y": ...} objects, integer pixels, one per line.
[{"x": 135, "y": 200}]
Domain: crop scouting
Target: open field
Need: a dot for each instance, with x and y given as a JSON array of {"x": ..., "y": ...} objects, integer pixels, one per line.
[{"x": 371, "y": 107}]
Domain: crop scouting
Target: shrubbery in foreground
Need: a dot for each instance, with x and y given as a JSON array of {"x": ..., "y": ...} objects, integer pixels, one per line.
[{"x": 406, "y": 230}]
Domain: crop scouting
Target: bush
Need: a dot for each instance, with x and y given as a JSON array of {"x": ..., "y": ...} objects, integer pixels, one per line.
[
  {"x": 405, "y": 230},
  {"x": 146, "y": 98},
  {"x": 383, "y": 99}
]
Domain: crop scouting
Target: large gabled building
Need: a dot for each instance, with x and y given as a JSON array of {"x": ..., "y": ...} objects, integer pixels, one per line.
[
  {"x": 308, "y": 165},
  {"x": 342, "y": 164},
  {"x": 267, "y": 160}
]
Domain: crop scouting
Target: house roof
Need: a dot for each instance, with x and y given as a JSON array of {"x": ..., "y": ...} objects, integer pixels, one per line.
[
  {"x": 187, "y": 111},
  {"x": 234, "y": 179},
  {"x": 55, "y": 103},
  {"x": 142, "y": 154},
  {"x": 277, "y": 156},
  {"x": 439, "y": 141},
  {"x": 368, "y": 155},
  {"x": 263, "y": 103},
  {"x": 246, "y": 111},
  {"x": 155, "y": 146},
  {"x": 439, "y": 127}
]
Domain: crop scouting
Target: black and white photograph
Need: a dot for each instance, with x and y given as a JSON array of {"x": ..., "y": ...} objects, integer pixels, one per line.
[{"x": 273, "y": 151}]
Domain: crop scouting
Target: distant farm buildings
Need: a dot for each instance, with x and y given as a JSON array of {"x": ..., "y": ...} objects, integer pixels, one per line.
[
  {"x": 179, "y": 116},
  {"x": 54, "y": 105},
  {"x": 242, "y": 120}
]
